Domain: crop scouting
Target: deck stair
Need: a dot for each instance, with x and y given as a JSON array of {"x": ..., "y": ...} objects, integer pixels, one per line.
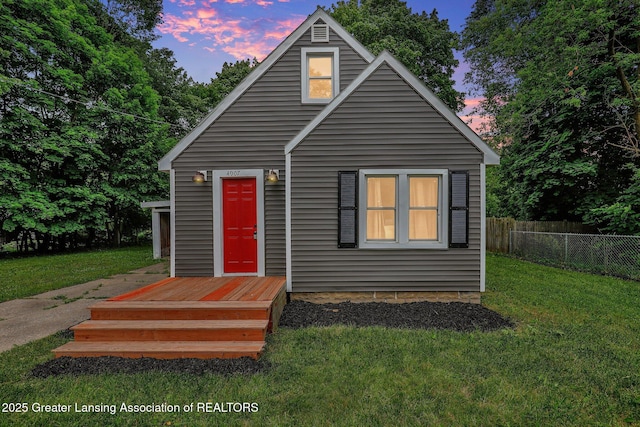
[{"x": 176, "y": 329}]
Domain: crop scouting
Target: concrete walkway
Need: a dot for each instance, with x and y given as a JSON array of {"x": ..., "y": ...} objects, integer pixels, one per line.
[{"x": 28, "y": 319}]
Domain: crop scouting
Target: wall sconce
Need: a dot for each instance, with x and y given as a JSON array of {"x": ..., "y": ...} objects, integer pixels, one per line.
[
  {"x": 272, "y": 176},
  {"x": 199, "y": 177}
]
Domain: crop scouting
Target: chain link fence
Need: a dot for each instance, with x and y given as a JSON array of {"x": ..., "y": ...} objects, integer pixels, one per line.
[{"x": 595, "y": 253}]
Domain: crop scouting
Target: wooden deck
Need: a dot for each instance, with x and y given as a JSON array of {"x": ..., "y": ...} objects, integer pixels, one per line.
[{"x": 199, "y": 317}]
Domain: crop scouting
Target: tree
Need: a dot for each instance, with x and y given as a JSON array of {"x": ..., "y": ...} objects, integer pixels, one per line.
[
  {"x": 134, "y": 18},
  {"x": 561, "y": 87},
  {"x": 623, "y": 215},
  {"x": 181, "y": 103},
  {"x": 225, "y": 81},
  {"x": 422, "y": 42},
  {"x": 79, "y": 127}
]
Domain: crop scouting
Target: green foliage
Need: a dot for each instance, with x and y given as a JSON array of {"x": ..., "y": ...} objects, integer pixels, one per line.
[
  {"x": 560, "y": 82},
  {"x": 622, "y": 216},
  {"x": 495, "y": 187},
  {"x": 180, "y": 102},
  {"x": 226, "y": 80},
  {"x": 87, "y": 107},
  {"x": 130, "y": 21},
  {"x": 80, "y": 126},
  {"x": 422, "y": 42}
]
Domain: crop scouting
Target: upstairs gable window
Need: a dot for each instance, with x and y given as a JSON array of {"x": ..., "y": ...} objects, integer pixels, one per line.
[{"x": 320, "y": 75}]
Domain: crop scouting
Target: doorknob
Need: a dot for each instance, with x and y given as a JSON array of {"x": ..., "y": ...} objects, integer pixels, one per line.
[{"x": 255, "y": 232}]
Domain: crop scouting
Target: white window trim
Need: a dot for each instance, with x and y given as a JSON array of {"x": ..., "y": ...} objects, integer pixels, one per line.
[
  {"x": 304, "y": 75},
  {"x": 402, "y": 209}
]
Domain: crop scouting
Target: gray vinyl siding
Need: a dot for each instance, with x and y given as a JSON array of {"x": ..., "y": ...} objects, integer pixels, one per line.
[
  {"x": 383, "y": 124},
  {"x": 250, "y": 134}
]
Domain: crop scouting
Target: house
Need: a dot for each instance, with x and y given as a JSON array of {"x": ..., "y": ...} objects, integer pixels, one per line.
[{"x": 336, "y": 169}]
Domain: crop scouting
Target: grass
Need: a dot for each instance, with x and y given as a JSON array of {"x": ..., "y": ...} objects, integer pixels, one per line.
[
  {"x": 573, "y": 360},
  {"x": 25, "y": 277}
]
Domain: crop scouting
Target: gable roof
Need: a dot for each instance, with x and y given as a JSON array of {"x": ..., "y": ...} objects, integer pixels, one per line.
[
  {"x": 164, "y": 164},
  {"x": 490, "y": 157}
]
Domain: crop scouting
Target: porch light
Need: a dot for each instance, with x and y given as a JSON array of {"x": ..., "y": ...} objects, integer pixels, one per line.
[
  {"x": 199, "y": 177},
  {"x": 272, "y": 176}
]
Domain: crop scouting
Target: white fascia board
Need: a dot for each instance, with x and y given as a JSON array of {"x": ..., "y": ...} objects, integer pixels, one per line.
[
  {"x": 347, "y": 37},
  {"x": 158, "y": 204},
  {"x": 490, "y": 157},
  {"x": 164, "y": 164},
  {"x": 333, "y": 105}
]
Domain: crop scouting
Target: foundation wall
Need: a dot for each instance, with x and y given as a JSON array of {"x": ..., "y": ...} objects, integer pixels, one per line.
[{"x": 389, "y": 297}]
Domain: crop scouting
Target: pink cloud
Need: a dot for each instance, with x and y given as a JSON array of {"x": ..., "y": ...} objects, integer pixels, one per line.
[
  {"x": 472, "y": 103},
  {"x": 283, "y": 28},
  {"x": 470, "y": 115},
  {"x": 178, "y": 26},
  {"x": 184, "y": 3},
  {"x": 257, "y": 46},
  {"x": 241, "y": 37},
  {"x": 206, "y": 13},
  {"x": 205, "y": 22},
  {"x": 249, "y": 49}
]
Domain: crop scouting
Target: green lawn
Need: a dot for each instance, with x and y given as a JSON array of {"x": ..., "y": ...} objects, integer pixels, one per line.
[
  {"x": 574, "y": 360},
  {"x": 24, "y": 277}
]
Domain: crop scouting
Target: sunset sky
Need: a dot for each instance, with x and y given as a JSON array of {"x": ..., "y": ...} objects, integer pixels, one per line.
[{"x": 203, "y": 34}]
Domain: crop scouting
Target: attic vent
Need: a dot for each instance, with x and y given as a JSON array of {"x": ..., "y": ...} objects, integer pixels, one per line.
[{"x": 319, "y": 33}]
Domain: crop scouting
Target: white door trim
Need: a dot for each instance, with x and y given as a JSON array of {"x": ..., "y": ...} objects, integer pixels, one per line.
[
  {"x": 218, "y": 241},
  {"x": 172, "y": 220}
]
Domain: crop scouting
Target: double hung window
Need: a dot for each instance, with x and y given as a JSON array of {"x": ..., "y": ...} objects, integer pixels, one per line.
[
  {"x": 403, "y": 208},
  {"x": 320, "y": 76}
]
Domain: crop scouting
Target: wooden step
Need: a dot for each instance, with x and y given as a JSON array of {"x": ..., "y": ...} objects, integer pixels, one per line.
[
  {"x": 180, "y": 310},
  {"x": 171, "y": 330},
  {"x": 163, "y": 350}
]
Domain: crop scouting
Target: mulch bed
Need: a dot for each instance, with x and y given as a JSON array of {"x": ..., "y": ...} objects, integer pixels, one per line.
[
  {"x": 297, "y": 314},
  {"x": 416, "y": 315},
  {"x": 120, "y": 365}
]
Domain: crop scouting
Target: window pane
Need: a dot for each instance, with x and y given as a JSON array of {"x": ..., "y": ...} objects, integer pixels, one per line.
[
  {"x": 381, "y": 192},
  {"x": 320, "y": 88},
  {"x": 381, "y": 225},
  {"x": 423, "y": 224},
  {"x": 423, "y": 192},
  {"x": 320, "y": 66}
]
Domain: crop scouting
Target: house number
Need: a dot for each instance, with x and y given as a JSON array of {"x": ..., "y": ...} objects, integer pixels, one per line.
[{"x": 233, "y": 173}]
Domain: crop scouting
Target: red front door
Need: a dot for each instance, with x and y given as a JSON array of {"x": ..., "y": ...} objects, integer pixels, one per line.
[{"x": 239, "y": 225}]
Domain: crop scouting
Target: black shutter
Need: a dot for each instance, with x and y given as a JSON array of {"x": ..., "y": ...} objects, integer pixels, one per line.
[
  {"x": 348, "y": 209},
  {"x": 459, "y": 209}
]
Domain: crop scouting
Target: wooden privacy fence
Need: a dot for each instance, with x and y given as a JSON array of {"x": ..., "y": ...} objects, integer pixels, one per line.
[{"x": 498, "y": 230}]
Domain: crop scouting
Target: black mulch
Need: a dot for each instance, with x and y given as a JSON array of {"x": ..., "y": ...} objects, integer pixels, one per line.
[
  {"x": 120, "y": 365},
  {"x": 297, "y": 314},
  {"x": 416, "y": 315}
]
